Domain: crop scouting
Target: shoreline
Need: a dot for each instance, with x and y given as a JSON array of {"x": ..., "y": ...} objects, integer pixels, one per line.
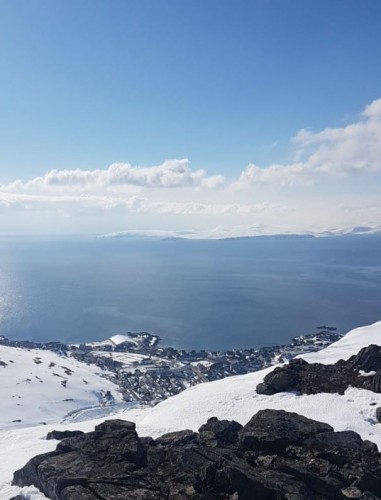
[{"x": 147, "y": 372}]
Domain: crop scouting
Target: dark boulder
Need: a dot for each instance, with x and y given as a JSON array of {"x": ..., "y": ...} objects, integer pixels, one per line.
[
  {"x": 223, "y": 431},
  {"x": 341, "y": 447},
  {"x": 63, "y": 434},
  {"x": 378, "y": 414},
  {"x": 274, "y": 430},
  {"x": 177, "y": 438},
  {"x": 369, "y": 482},
  {"x": 368, "y": 358},
  {"x": 276, "y": 456},
  {"x": 375, "y": 382},
  {"x": 279, "y": 380},
  {"x": 313, "y": 378}
]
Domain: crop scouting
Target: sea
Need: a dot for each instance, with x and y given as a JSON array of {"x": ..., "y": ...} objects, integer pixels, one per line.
[{"x": 194, "y": 294}]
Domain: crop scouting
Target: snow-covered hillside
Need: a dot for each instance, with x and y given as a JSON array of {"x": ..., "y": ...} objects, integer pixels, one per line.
[
  {"x": 230, "y": 398},
  {"x": 39, "y": 386},
  {"x": 236, "y": 398}
]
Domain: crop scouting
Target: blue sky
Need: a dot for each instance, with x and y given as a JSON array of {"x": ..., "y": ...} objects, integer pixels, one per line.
[{"x": 226, "y": 84}]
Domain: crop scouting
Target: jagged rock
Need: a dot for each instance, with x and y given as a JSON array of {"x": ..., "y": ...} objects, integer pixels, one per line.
[
  {"x": 279, "y": 380},
  {"x": 313, "y": 378},
  {"x": 376, "y": 382},
  {"x": 371, "y": 483},
  {"x": 277, "y": 455},
  {"x": 378, "y": 414},
  {"x": 223, "y": 431},
  {"x": 368, "y": 358},
  {"x": 274, "y": 430},
  {"x": 63, "y": 434},
  {"x": 177, "y": 438}
]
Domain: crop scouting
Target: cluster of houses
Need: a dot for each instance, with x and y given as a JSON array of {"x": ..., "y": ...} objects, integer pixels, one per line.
[{"x": 149, "y": 372}]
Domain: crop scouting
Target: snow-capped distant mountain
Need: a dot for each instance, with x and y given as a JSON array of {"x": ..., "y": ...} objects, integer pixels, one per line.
[
  {"x": 233, "y": 398},
  {"x": 221, "y": 232}
]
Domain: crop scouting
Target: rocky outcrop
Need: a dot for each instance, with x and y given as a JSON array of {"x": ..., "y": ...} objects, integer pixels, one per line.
[
  {"x": 378, "y": 414},
  {"x": 63, "y": 434},
  {"x": 368, "y": 359},
  {"x": 276, "y": 455},
  {"x": 362, "y": 371}
]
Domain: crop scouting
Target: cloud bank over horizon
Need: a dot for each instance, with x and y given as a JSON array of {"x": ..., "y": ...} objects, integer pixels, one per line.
[{"x": 332, "y": 181}]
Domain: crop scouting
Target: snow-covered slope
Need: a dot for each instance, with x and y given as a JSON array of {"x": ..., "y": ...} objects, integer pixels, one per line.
[
  {"x": 40, "y": 386},
  {"x": 348, "y": 345},
  {"x": 230, "y": 398},
  {"x": 236, "y": 397}
]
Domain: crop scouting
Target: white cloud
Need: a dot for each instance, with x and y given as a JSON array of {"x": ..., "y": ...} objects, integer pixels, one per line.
[
  {"x": 353, "y": 149},
  {"x": 131, "y": 205},
  {"x": 274, "y": 174},
  {"x": 170, "y": 174},
  {"x": 373, "y": 110},
  {"x": 176, "y": 196}
]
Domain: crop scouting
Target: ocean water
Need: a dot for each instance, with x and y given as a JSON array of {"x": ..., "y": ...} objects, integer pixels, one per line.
[{"x": 194, "y": 294}]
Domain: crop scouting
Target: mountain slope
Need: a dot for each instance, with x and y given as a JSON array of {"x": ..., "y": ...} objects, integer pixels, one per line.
[
  {"x": 41, "y": 386},
  {"x": 236, "y": 397},
  {"x": 233, "y": 398}
]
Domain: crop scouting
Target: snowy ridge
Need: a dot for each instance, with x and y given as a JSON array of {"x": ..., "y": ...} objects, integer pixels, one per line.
[{"x": 233, "y": 398}]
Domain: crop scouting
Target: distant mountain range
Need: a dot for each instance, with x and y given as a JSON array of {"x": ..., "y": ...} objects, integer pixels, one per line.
[{"x": 240, "y": 232}]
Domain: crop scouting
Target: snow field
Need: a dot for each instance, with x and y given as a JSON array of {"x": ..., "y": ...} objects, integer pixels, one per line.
[{"x": 232, "y": 398}]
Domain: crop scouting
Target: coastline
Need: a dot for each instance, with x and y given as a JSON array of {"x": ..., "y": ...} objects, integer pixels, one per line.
[{"x": 147, "y": 372}]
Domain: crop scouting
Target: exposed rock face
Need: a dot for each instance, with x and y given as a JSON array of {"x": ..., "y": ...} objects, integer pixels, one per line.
[
  {"x": 368, "y": 359},
  {"x": 63, "y": 434},
  {"x": 277, "y": 455},
  {"x": 313, "y": 378},
  {"x": 378, "y": 414}
]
